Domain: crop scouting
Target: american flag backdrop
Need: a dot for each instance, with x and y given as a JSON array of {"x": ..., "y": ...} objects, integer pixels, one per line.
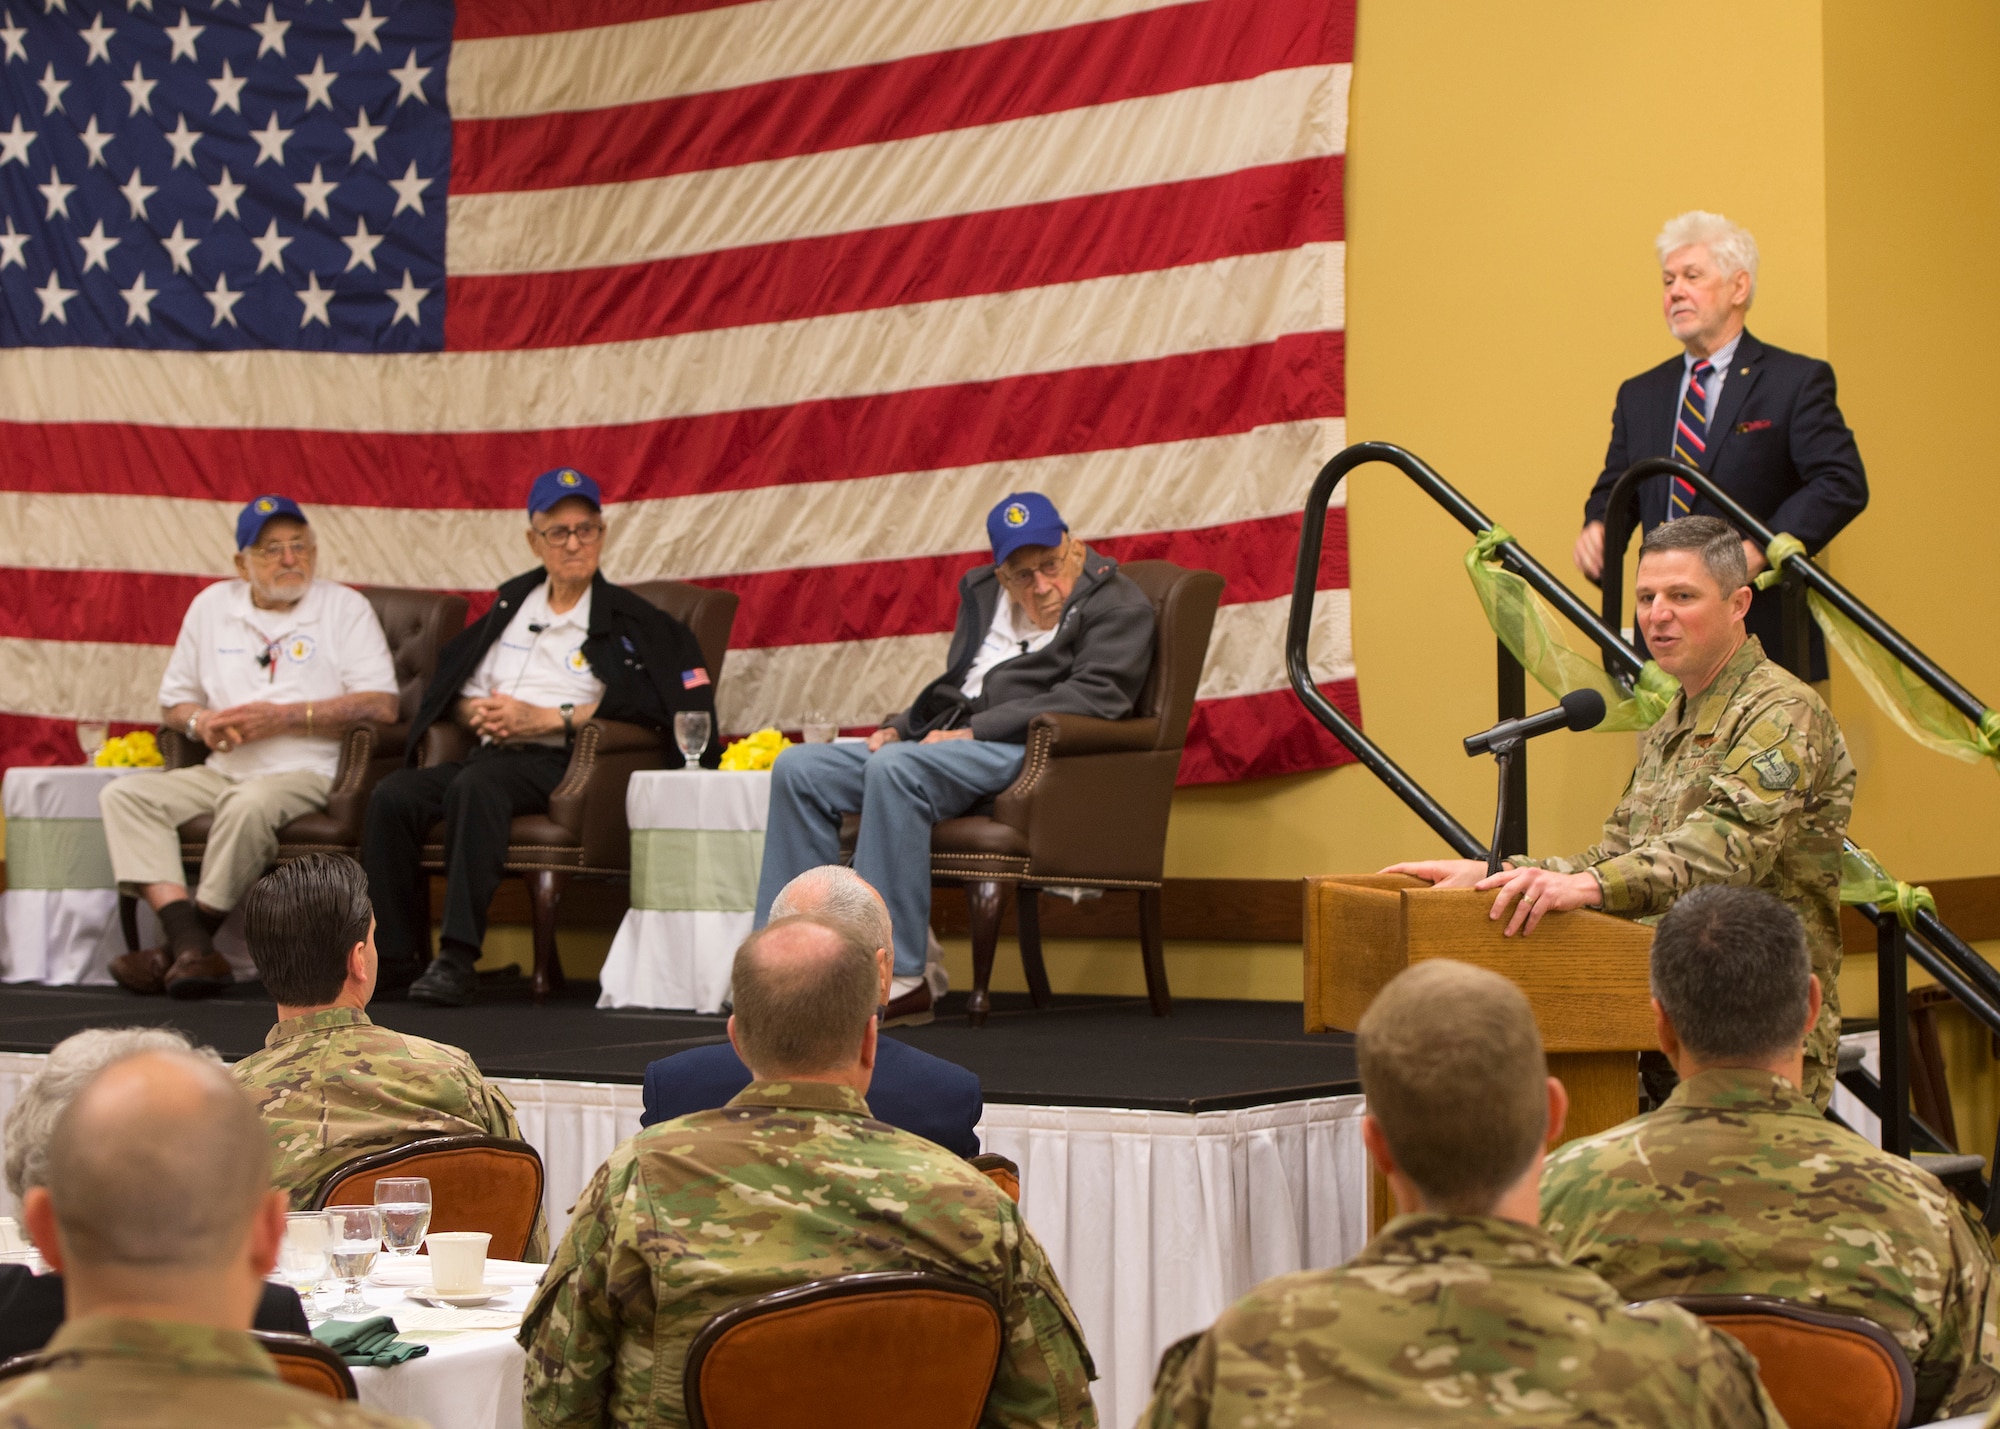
[{"x": 807, "y": 285}]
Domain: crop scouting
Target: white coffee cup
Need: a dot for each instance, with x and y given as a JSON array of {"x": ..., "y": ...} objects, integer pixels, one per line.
[
  {"x": 458, "y": 1261},
  {"x": 10, "y": 1235}
]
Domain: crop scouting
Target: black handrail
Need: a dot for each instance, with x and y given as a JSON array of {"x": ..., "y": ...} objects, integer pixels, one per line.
[{"x": 1621, "y": 515}]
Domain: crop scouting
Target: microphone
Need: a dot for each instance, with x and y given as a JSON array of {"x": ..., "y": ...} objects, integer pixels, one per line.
[
  {"x": 1579, "y": 710},
  {"x": 537, "y": 629}
]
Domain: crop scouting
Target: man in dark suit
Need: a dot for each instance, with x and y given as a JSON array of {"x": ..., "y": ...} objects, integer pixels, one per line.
[
  {"x": 1759, "y": 421},
  {"x": 912, "y": 1090}
]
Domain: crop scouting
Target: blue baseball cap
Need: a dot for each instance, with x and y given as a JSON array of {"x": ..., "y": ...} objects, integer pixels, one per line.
[
  {"x": 251, "y": 520},
  {"x": 559, "y": 485},
  {"x": 1027, "y": 518}
]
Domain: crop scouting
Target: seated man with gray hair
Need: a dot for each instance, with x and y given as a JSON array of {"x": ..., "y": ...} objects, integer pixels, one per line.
[
  {"x": 158, "y": 1210},
  {"x": 1459, "y": 1308},
  {"x": 1738, "y": 1186},
  {"x": 794, "y": 1180},
  {"x": 31, "y": 1306},
  {"x": 924, "y": 1095}
]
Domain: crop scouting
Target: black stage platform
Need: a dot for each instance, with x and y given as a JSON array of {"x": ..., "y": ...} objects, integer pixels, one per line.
[{"x": 1085, "y": 1051}]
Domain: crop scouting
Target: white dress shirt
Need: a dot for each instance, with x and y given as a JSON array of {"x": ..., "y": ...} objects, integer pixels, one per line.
[
  {"x": 539, "y": 659},
  {"x": 1010, "y": 634},
  {"x": 1721, "y": 357}
]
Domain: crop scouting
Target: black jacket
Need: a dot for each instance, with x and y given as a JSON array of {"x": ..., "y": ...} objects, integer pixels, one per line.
[
  {"x": 1096, "y": 665},
  {"x": 31, "y": 1310},
  {"x": 643, "y": 655},
  {"x": 1777, "y": 443}
]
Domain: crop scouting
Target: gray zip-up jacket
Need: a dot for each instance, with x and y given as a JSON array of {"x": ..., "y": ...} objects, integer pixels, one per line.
[{"x": 1096, "y": 665}]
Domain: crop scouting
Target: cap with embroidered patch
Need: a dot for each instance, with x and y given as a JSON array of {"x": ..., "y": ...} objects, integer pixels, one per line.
[
  {"x": 250, "y": 522},
  {"x": 559, "y": 485},
  {"x": 1027, "y": 518}
]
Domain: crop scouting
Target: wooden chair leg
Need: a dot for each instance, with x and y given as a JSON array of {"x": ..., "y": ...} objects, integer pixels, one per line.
[
  {"x": 985, "y": 901},
  {"x": 1152, "y": 948},
  {"x": 545, "y": 891},
  {"x": 1028, "y": 919}
]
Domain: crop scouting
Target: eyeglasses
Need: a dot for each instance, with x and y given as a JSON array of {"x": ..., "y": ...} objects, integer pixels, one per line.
[
  {"x": 1018, "y": 578},
  {"x": 277, "y": 550},
  {"x": 584, "y": 533}
]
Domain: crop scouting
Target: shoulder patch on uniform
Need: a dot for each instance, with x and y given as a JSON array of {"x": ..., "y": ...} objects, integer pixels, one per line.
[{"x": 1774, "y": 771}]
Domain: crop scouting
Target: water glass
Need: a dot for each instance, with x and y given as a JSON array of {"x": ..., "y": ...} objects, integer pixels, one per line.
[
  {"x": 691, "y": 730},
  {"x": 355, "y": 1242},
  {"x": 818, "y": 727},
  {"x": 90, "y": 737},
  {"x": 302, "y": 1257},
  {"x": 405, "y": 1204}
]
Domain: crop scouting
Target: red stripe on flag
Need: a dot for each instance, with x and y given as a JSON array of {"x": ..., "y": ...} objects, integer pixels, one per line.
[
  {"x": 1132, "y": 56},
  {"x": 1261, "y": 210},
  {"x": 1256, "y": 736},
  {"x": 493, "y": 19},
  {"x": 1044, "y": 414},
  {"x": 132, "y": 607}
]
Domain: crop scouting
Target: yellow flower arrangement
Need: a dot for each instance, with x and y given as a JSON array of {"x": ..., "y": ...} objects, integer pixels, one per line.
[
  {"x": 137, "y": 750},
  {"x": 755, "y": 751}
]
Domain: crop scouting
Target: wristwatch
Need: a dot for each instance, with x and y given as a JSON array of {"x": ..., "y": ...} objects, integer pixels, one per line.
[
  {"x": 568, "y": 712},
  {"x": 190, "y": 725}
]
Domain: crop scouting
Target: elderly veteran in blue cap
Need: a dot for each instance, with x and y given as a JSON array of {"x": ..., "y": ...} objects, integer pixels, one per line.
[
  {"x": 266, "y": 670},
  {"x": 1050, "y": 626},
  {"x": 561, "y": 645}
]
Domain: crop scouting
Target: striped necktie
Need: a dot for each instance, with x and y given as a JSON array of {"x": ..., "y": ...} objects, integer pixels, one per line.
[{"x": 1690, "y": 436}]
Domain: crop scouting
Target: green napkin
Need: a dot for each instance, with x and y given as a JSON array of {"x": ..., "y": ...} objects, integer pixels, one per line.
[{"x": 371, "y": 1343}]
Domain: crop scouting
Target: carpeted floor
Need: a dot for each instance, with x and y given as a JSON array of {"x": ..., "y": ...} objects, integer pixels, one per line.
[{"x": 1083, "y": 1052}]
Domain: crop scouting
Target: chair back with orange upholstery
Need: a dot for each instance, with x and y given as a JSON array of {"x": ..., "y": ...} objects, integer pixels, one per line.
[
  {"x": 1001, "y": 1171},
  {"x": 305, "y": 1363},
  {"x": 478, "y": 1183},
  {"x": 888, "y": 1350},
  {"x": 1823, "y": 1370}
]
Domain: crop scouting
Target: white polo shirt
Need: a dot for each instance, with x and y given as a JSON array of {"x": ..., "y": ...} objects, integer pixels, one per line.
[
  {"x": 232, "y": 653},
  {"x": 1010, "y": 634},
  {"x": 544, "y": 666}
]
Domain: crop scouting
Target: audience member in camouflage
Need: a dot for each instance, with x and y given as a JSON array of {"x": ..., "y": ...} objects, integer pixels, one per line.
[
  {"x": 1744, "y": 781},
  {"x": 1739, "y": 1186},
  {"x": 792, "y": 1181},
  {"x": 1460, "y": 1308},
  {"x": 330, "y": 1084}
]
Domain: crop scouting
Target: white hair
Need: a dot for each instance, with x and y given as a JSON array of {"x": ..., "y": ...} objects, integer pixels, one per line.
[
  {"x": 836, "y": 894},
  {"x": 1729, "y": 244},
  {"x": 71, "y": 1063}
]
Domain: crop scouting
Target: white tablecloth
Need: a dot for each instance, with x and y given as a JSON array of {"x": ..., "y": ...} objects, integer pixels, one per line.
[
  {"x": 697, "y": 848},
  {"x": 471, "y": 1379},
  {"x": 1154, "y": 1221},
  {"x": 59, "y": 915}
]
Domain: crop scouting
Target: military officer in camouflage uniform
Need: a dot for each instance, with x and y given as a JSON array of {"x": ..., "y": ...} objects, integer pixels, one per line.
[
  {"x": 158, "y": 1210},
  {"x": 792, "y": 1181},
  {"x": 1460, "y": 1308},
  {"x": 330, "y": 1084},
  {"x": 1739, "y": 1186},
  {"x": 1745, "y": 780}
]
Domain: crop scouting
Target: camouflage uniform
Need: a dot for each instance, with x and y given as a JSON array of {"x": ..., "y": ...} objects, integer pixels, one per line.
[
  {"x": 791, "y": 1181},
  {"x": 102, "y": 1372},
  {"x": 1752, "y": 787},
  {"x": 1739, "y": 1186},
  {"x": 333, "y": 1086},
  {"x": 1445, "y": 1318}
]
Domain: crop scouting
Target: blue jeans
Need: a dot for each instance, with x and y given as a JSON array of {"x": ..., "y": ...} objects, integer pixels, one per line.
[{"x": 899, "y": 791}]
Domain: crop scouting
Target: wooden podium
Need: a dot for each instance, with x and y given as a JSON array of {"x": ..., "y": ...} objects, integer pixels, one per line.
[{"x": 1584, "y": 973}]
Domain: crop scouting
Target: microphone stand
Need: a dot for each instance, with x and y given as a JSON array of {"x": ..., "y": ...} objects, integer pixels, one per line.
[{"x": 1503, "y": 752}]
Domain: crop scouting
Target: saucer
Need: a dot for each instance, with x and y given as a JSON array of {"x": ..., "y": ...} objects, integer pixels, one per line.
[{"x": 463, "y": 1299}]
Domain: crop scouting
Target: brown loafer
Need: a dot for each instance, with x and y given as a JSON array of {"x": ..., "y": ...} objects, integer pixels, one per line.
[
  {"x": 198, "y": 975},
  {"x": 912, "y": 1009},
  {"x": 141, "y": 970}
]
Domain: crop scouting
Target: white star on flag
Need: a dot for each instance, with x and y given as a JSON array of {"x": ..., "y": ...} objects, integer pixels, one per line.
[
  {"x": 363, "y": 136},
  {"x": 228, "y": 90},
  {"x": 315, "y": 298},
  {"x": 94, "y": 139},
  {"x": 49, "y": 7},
  {"x": 223, "y": 301},
  {"x": 13, "y": 246},
  {"x": 183, "y": 139},
  {"x": 270, "y": 248},
  {"x": 52, "y": 89},
  {"x": 54, "y": 296},
  {"x": 271, "y": 141},
  {"x": 138, "y": 301},
  {"x": 364, "y": 27},
  {"x": 410, "y": 80},
  {"x": 407, "y": 299},
  {"x": 57, "y": 193},
  {"x": 136, "y": 195},
  {"x": 98, "y": 37},
  {"x": 10, "y": 35},
  {"x": 318, "y": 83},
  {"x": 361, "y": 246},
  {"x": 179, "y": 246},
  {"x": 271, "y": 33},
  {"x": 313, "y": 194},
  {"x": 226, "y": 195},
  {"x": 409, "y": 190},
  {"x": 14, "y": 144},
  {"x": 97, "y": 248},
  {"x": 183, "y": 35},
  {"x": 141, "y": 89}
]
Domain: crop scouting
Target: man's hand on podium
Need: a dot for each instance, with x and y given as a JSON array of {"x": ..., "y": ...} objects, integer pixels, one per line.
[{"x": 1539, "y": 892}]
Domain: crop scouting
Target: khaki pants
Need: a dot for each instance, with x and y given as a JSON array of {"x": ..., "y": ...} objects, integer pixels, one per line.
[{"x": 143, "y": 814}]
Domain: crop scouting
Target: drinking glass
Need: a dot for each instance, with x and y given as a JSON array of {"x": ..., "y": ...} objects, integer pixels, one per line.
[
  {"x": 691, "y": 729},
  {"x": 302, "y": 1257},
  {"x": 355, "y": 1242},
  {"x": 90, "y": 735},
  {"x": 405, "y": 1204},
  {"x": 818, "y": 727}
]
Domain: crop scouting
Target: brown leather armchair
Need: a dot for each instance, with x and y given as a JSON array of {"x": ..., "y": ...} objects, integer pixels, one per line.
[
  {"x": 584, "y": 833},
  {"x": 417, "y": 624},
  {"x": 1090, "y": 807}
]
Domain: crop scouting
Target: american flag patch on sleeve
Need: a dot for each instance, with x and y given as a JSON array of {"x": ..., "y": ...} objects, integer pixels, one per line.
[{"x": 692, "y": 679}]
